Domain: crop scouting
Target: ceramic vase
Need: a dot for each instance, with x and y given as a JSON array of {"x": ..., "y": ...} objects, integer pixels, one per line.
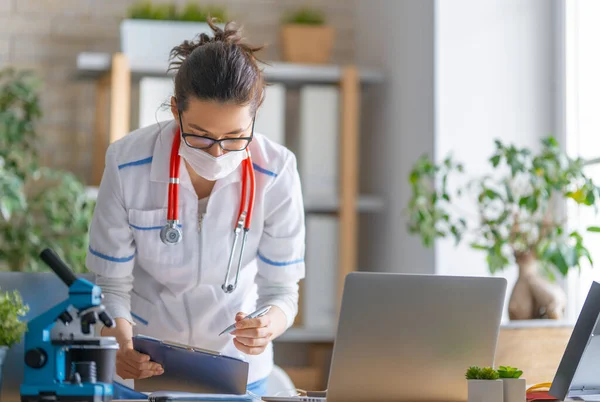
[{"x": 486, "y": 391}]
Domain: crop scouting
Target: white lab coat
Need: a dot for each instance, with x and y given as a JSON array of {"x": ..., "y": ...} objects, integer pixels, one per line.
[{"x": 176, "y": 291}]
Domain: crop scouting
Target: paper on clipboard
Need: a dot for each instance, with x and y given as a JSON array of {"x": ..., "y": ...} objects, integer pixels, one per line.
[{"x": 190, "y": 369}]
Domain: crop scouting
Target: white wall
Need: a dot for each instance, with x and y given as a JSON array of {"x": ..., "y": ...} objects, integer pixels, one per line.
[
  {"x": 495, "y": 78},
  {"x": 459, "y": 74},
  {"x": 396, "y": 36}
]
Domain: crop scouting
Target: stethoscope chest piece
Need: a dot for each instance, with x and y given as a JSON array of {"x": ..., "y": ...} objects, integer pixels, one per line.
[{"x": 170, "y": 234}]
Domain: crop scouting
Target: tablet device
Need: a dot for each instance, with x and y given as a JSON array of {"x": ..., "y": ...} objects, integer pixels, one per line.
[
  {"x": 577, "y": 374},
  {"x": 191, "y": 370}
]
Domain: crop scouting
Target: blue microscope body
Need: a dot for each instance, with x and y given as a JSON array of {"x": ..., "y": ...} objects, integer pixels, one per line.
[{"x": 51, "y": 370}]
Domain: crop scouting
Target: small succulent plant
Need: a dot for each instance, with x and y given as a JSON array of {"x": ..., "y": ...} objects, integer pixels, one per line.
[
  {"x": 479, "y": 373},
  {"x": 509, "y": 372},
  {"x": 305, "y": 16}
]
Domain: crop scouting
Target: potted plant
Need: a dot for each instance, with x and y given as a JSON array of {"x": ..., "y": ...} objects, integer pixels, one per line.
[
  {"x": 514, "y": 219},
  {"x": 150, "y": 31},
  {"x": 514, "y": 387},
  {"x": 306, "y": 38},
  {"x": 484, "y": 385},
  {"x": 12, "y": 328},
  {"x": 37, "y": 204}
]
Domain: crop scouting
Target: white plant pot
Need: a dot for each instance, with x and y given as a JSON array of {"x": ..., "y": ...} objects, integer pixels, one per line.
[
  {"x": 514, "y": 389},
  {"x": 486, "y": 391},
  {"x": 148, "y": 43}
]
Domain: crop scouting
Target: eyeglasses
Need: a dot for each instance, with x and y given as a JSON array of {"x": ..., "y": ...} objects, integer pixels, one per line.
[{"x": 226, "y": 144}]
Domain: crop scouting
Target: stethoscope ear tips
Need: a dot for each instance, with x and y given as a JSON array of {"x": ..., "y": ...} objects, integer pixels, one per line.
[{"x": 170, "y": 234}]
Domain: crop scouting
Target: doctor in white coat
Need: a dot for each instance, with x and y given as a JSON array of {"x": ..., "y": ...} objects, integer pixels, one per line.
[{"x": 175, "y": 291}]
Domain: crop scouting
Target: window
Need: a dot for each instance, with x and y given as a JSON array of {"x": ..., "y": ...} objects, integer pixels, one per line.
[{"x": 582, "y": 125}]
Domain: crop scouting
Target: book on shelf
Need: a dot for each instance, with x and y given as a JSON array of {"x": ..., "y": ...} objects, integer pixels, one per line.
[{"x": 318, "y": 140}]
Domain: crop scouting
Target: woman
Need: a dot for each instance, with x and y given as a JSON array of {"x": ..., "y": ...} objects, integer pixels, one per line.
[{"x": 174, "y": 291}]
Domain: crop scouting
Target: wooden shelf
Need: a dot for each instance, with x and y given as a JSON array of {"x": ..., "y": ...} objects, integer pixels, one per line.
[
  {"x": 365, "y": 203},
  {"x": 93, "y": 65}
]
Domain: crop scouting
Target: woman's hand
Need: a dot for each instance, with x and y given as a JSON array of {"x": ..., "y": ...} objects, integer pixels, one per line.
[
  {"x": 130, "y": 363},
  {"x": 253, "y": 335}
]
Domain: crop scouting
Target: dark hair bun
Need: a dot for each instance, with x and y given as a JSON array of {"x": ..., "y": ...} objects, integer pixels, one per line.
[{"x": 231, "y": 35}]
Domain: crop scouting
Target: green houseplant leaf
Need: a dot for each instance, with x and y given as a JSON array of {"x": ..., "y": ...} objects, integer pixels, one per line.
[
  {"x": 191, "y": 12},
  {"x": 514, "y": 216},
  {"x": 473, "y": 373},
  {"x": 12, "y": 309},
  {"x": 509, "y": 372},
  {"x": 305, "y": 16},
  {"x": 39, "y": 207}
]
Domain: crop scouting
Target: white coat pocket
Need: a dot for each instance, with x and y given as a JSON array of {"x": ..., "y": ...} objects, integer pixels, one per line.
[
  {"x": 146, "y": 226},
  {"x": 142, "y": 312}
]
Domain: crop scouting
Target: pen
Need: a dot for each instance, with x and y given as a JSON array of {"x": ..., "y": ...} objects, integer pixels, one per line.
[{"x": 258, "y": 313}]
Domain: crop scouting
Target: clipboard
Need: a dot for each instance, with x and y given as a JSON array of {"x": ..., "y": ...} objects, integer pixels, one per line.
[{"x": 191, "y": 370}]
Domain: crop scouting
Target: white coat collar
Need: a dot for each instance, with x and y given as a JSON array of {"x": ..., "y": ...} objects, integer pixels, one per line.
[{"x": 159, "y": 171}]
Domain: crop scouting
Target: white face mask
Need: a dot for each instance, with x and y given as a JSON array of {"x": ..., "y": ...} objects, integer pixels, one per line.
[{"x": 210, "y": 167}]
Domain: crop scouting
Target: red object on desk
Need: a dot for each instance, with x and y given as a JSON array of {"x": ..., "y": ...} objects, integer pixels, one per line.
[{"x": 539, "y": 396}]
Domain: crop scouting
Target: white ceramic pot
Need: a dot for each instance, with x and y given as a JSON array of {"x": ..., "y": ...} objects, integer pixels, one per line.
[
  {"x": 514, "y": 389},
  {"x": 148, "y": 43},
  {"x": 3, "y": 352},
  {"x": 486, "y": 391}
]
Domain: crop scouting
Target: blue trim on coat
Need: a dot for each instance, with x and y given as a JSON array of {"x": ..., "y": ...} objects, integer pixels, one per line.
[
  {"x": 109, "y": 258},
  {"x": 140, "y": 319},
  {"x": 136, "y": 163},
  {"x": 263, "y": 170},
  {"x": 279, "y": 264}
]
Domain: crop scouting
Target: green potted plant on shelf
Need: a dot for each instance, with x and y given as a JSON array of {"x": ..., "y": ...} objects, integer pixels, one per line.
[
  {"x": 12, "y": 309},
  {"x": 514, "y": 387},
  {"x": 306, "y": 38},
  {"x": 150, "y": 30},
  {"x": 484, "y": 384},
  {"x": 38, "y": 206},
  {"x": 513, "y": 220}
]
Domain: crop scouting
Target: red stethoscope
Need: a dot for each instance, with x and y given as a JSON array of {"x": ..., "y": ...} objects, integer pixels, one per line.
[{"x": 171, "y": 233}]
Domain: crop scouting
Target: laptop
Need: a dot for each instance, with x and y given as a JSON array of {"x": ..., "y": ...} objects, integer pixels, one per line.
[{"x": 405, "y": 337}]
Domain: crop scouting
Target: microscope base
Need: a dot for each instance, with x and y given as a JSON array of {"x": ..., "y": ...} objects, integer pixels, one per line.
[{"x": 69, "y": 398}]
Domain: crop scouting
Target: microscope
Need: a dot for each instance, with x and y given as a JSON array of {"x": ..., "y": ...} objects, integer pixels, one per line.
[{"x": 72, "y": 364}]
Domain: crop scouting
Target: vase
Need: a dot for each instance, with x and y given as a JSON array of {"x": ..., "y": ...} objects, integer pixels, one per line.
[
  {"x": 3, "y": 352},
  {"x": 486, "y": 391},
  {"x": 307, "y": 44},
  {"x": 514, "y": 389},
  {"x": 148, "y": 43},
  {"x": 533, "y": 296}
]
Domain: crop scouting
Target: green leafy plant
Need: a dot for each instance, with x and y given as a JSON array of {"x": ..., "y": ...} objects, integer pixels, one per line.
[
  {"x": 147, "y": 10},
  {"x": 481, "y": 373},
  {"x": 11, "y": 311},
  {"x": 305, "y": 16},
  {"x": 509, "y": 372},
  {"x": 193, "y": 12},
  {"x": 39, "y": 207},
  {"x": 513, "y": 218}
]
